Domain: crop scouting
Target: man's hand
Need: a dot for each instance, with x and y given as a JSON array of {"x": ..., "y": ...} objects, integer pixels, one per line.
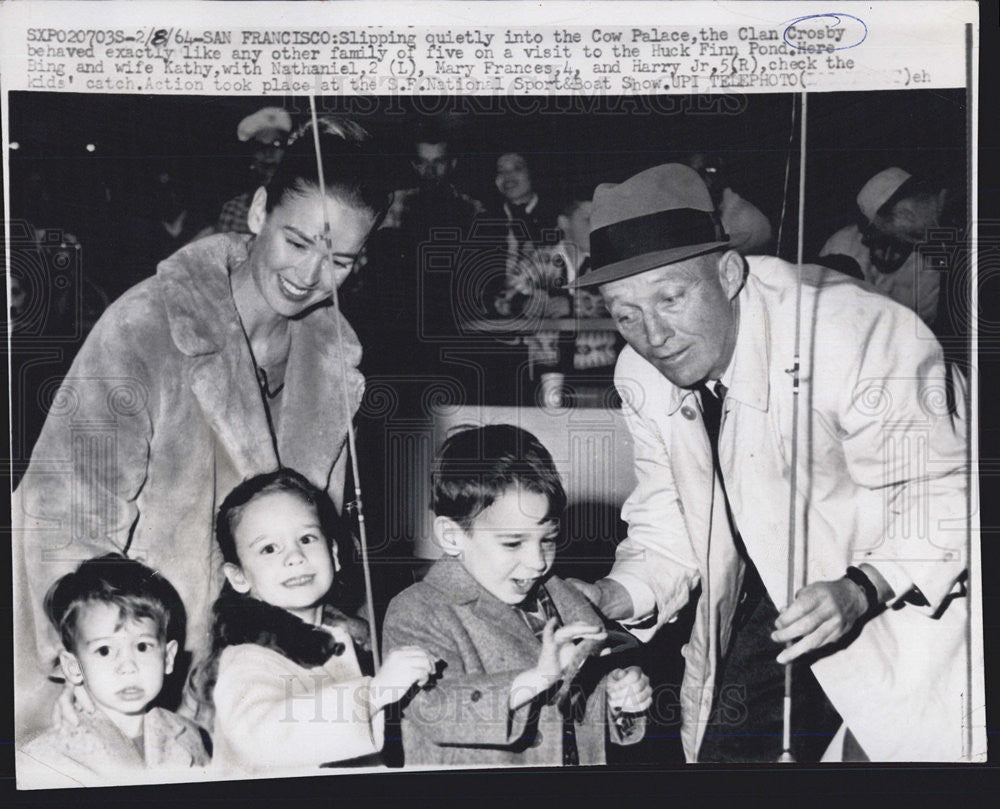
[
  {"x": 822, "y": 613},
  {"x": 610, "y": 597}
]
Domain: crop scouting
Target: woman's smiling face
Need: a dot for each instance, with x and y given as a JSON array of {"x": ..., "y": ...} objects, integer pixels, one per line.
[{"x": 289, "y": 262}]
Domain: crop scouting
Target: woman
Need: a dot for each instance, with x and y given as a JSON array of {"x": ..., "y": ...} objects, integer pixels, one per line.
[{"x": 225, "y": 364}]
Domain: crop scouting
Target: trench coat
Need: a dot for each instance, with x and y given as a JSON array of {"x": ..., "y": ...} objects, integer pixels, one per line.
[
  {"x": 881, "y": 480},
  {"x": 96, "y": 753},
  {"x": 464, "y": 717},
  {"x": 158, "y": 419}
]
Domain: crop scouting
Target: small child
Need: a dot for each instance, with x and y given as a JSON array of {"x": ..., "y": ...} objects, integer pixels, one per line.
[
  {"x": 288, "y": 691},
  {"x": 116, "y": 619},
  {"x": 505, "y": 628}
]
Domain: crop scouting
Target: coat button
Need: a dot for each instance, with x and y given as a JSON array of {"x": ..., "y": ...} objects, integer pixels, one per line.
[
  {"x": 476, "y": 695},
  {"x": 688, "y": 413}
]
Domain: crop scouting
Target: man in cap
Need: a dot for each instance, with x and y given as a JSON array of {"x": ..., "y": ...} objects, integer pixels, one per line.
[
  {"x": 876, "y": 628},
  {"x": 898, "y": 210},
  {"x": 266, "y": 135}
]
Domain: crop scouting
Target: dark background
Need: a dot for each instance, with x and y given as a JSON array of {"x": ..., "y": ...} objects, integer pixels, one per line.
[{"x": 571, "y": 144}]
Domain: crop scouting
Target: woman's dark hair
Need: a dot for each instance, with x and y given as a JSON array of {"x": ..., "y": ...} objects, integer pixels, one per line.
[
  {"x": 355, "y": 169},
  {"x": 282, "y": 480},
  {"x": 476, "y": 466},
  {"x": 136, "y": 590}
]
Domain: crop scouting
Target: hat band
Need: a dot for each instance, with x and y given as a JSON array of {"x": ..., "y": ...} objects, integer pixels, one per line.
[{"x": 651, "y": 233}]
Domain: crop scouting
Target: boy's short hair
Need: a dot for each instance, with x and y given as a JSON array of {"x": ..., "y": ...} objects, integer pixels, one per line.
[
  {"x": 281, "y": 480},
  {"x": 137, "y": 591},
  {"x": 477, "y": 465}
]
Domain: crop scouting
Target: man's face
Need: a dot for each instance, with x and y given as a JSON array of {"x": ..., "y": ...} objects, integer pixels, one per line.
[
  {"x": 513, "y": 178},
  {"x": 432, "y": 163},
  {"x": 268, "y": 149},
  {"x": 909, "y": 219},
  {"x": 680, "y": 317}
]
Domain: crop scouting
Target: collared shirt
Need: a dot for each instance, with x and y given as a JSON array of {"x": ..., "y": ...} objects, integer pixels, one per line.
[{"x": 233, "y": 216}]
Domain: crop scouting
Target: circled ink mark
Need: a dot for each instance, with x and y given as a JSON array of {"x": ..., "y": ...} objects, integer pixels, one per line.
[{"x": 809, "y": 44}]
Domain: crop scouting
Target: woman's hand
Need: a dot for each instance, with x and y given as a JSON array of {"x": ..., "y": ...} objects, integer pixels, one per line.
[
  {"x": 72, "y": 701},
  {"x": 629, "y": 691},
  {"x": 401, "y": 670}
]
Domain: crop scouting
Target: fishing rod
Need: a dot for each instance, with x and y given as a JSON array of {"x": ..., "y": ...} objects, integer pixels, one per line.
[
  {"x": 348, "y": 414},
  {"x": 786, "y": 756}
]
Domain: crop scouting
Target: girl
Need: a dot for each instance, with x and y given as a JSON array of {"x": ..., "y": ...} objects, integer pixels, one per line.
[{"x": 288, "y": 690}]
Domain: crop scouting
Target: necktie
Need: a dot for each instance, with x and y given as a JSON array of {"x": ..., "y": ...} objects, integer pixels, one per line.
[
  {"x": 711, "y": 409},
  {"x": 536, "y": 613}
]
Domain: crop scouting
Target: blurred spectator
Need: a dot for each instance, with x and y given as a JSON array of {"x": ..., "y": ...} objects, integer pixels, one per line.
[
  {"x": 434, "y": 202},
  {"x": 527, "y": 215},
  {"x": 898, "y": 211},
  {"x": 536, "y": 289},
  {"x": 748, "y": 229},
  {"x": 266, "y": 134}
]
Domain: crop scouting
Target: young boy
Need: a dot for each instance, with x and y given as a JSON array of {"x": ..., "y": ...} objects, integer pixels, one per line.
[
  {"x": 504, "y": 629},
  {"x": 114, "y": 618}
]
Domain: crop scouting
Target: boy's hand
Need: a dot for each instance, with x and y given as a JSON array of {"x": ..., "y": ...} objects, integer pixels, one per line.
[
  {"x": 558, "y": 654},
  {"x": 629, "y": 691},
  {"x": 402, "y": 669},
  {"x": 559, "y": 646},
  {"x": 72, "y": 699}
]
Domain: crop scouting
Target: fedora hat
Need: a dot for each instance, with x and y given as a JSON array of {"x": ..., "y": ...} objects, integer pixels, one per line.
[{"x": 659, "y": 216}]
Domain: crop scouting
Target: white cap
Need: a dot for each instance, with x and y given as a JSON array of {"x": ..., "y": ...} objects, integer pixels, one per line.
[
  {"x": 264, "y": 120},
  {"x": 879, "y": 190}
]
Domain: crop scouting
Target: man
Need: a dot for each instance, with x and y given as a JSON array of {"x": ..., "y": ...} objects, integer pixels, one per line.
[
  {"x": 405, "y": 296},
  {"x": 748, "y": 229},
  {"x": 266, "y": 135},
  {"x": 898, "y": 210},
  {"x": 879, "y": 613},
  {"x": 434, "y": 202}
]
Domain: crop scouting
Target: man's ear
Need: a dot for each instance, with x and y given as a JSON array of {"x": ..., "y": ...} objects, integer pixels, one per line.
[
  {"x": 732, "y": 273},
  {"x": 257, "y": 212},
  {"x": 170, "y": 652},
  {"x": 70, "y": 667},
  {"x": 234, "y": 573},
  {"x": 448, "y": 534}
]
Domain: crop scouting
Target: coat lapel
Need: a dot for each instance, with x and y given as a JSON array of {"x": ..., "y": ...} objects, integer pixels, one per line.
[
  {"x": 451, "y": 578},
  {"x": 168, "y": 741},
  {"x": 312, "y": 429},
  {"x": 204, "y": 325}
]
